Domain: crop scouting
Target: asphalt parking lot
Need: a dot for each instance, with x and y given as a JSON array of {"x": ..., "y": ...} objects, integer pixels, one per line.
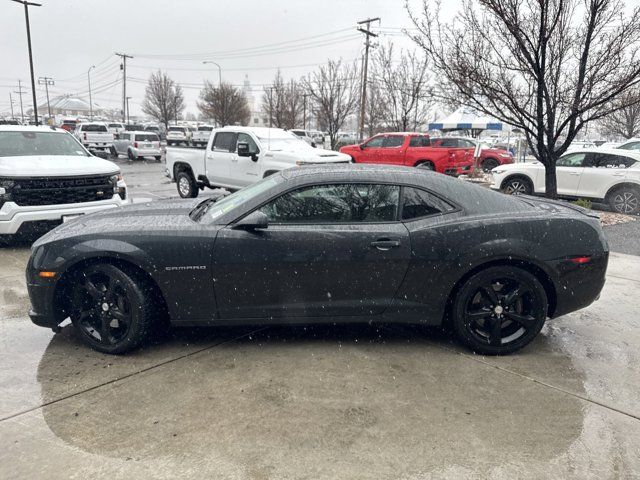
[{"x": 396, "y": 402}]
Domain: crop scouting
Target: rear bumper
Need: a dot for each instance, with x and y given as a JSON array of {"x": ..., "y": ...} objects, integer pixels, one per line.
[
  {"x": 578, "y": 286},
  {"x": 146, "y": 152}
]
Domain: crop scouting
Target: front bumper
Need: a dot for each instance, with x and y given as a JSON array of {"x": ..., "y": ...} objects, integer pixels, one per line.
[{"x": 12, "y": 216}]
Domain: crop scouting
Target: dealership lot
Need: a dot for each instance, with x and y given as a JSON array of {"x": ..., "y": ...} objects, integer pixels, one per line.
[{"x": 320, "y": 402}]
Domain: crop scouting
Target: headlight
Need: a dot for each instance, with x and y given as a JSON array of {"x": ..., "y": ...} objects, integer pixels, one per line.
[{"x": 507, "y": 155}]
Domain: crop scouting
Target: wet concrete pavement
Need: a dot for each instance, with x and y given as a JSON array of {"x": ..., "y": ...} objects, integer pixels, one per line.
[{"x": 324, "y": 402}]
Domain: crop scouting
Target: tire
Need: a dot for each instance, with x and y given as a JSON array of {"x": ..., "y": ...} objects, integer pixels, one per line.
[
  {"x": 426, "y": 166},
  {"x": 112, "y": 309},
  {"x": 187, "y": 186},
  {"x": 499, "y": 310},
  {"x": 113, "y": 152},
  {"x": 517, "y": 186},
  {"x": 625, "y": 199},
  {"x": 169, "y": 143},
  {"x": 158, "y": 158},
  {"x": 130, "y": 156},
  {"x": 489, "y": 164}
]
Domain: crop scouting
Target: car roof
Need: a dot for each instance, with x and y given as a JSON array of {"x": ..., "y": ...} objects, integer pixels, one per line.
[
  {"x": 141, "y": 132},
  {"x": 31, "y": 128},
  {"x": 258, "y": 131},
  {"x": 610, "y": 151}
]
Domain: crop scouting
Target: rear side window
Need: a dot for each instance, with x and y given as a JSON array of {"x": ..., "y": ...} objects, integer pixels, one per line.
[
  {"x": 419, "y": 141},
  {"x": 94, "y": 128},
  {"x": 339, "y": 203},
  {"x": 417, "y": 203},
  {"x": 224, "y": 142}
]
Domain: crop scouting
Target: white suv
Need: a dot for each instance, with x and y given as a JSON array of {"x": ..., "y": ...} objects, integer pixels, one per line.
[
  {"x": 609, "y": 175},
  {"x": 177, "y": 134},
  {"x": 47, "y": 177}
]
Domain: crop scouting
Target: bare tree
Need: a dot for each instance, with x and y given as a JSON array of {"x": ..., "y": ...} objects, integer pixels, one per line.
[
  {"x": 405, "y": 86},
  {"x": 624, "y": 122},
  {"x": 282, "y": 103},
  {"x": 163, "y": 98},
  {"x": 333, "y": 89},
  {"x": 376, "y": 109},
  {"x": 547, "y": 67},
  {"x": 225, "y": 104}
]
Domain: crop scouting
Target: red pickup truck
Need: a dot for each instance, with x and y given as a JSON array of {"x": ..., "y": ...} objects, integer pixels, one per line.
[
  {"x": 411, "y": 150},
  {"x": 489, "y": 159}
]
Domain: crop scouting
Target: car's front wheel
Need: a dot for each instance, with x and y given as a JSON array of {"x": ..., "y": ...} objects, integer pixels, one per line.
[
  {"x": 499, "y": 310},
  {"x": 111, "y": 308},
  {"x": 625, "y": 200},
  {"x": 517, "y": 186},
  {"x": 187, "y": 187},
  {"x": 426, "y": 166},
  {"x": 489, "y": 164}
]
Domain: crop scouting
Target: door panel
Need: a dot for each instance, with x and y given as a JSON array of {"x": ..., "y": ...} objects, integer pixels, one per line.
[
  {"x": 569, "y": 169},
  {"x": 600, "y": 173},
  {"x": 244, "y": 170},
  {"x": 219, "y": 158},
  {"x": 393, "y": 151},
  {"x": 309, "y": 270}
]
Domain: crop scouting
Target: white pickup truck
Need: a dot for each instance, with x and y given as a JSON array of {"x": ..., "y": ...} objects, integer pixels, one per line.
[
  {"x": 47, "y": 177},
  {"x": 95, "y": 137},
  {"x": 239, "y": 156}
]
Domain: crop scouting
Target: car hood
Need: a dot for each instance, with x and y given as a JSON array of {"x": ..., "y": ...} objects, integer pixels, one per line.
[
  {"x": 55, "y": 166},
  {"x": 310, "y": 154},
  {"x": 158, "y": 217}
]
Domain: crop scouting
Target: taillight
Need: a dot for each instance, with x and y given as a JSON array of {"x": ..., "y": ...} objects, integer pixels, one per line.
[
  {"x": 135, "y": 144},
  {"x": 580, "y": 260},
  {"x": 85, "y": 135}
]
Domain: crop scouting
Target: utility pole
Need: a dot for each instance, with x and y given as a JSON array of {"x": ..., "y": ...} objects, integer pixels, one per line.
[
  {"x": 304, "y": 110},
  {"x": 363, "y": 100},
  {"x": 11, "y": 103},
  {"x": 46, "y": 81},
  {"x": 128, "y": 108},
  {"x": 19, "y": 92},
  {"x": 90, "y": 101},
  {"x": 123, "y": 67},
  {"x": 33, "y": 81},
  {"x": 271, "y": 106}
]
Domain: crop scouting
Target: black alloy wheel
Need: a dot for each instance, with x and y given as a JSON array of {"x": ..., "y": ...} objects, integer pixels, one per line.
[
  {"x": 499, "y": 310},
  {"x": 489, "y": 164},
  {"x": 517, "y": 186},
  {"x": 625, "y": 200},
  {"x": 111, "y": 309}
]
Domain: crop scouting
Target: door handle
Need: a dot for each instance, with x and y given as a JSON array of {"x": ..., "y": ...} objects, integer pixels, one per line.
[
  {"x": 574, "y": 173},
  {"x": 385, "y": 244}
]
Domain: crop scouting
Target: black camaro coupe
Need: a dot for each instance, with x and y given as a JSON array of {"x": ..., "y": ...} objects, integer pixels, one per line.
[{"x": 342, "y": 243}]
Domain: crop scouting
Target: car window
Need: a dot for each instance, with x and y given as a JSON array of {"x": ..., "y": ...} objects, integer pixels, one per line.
[
  {"x": 224, "y": 142},
  {"x": 125, "y": 136},
  {"x": 177, "y": 129},
  {"x": 147, "y": 137},
  {"x": 448, "y": 143},
  {"x": 94, "y": 128},
  {"x": 466, "y": 143},
  {"x": 253, "y": 146},
  {"x": 393, "y": 141},
  {"x": 418, "y": 203},
  {"x": 205, "y": 129},
  {"x": 419, "y": 141},
  {"x": 630, "y": 146},
  {"x": 571, "y": 160},
  {"x": 339, "y": 203},
  {"x": 375, "y": 142},
  {"x": 605, "y": 160}
]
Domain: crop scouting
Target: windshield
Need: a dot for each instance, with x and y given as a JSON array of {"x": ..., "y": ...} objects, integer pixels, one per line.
[
  {"x": 284, "y": 143},
  {"x": 224, "y": 205},
  {"x": 22, "y": 144},
  {"x": 94, "y": 128},
  {"x": 176, "y": 129}
]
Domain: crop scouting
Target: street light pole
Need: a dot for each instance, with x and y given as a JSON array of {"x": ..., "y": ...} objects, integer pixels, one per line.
[
  {"x": 90, "y": 102},
  {"x": 33, "y": 80},
  {"x": 219, "y": 70}
]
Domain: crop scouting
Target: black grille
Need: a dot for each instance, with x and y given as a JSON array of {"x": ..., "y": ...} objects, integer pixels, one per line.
[{"x": 57, "y": 191}]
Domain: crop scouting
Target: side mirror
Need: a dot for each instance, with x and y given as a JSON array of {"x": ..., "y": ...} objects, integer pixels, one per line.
[
  {"x": 254, "y": 221},
  {"x": 362, "y": 146},
  {"x": 243, "y": 149}
]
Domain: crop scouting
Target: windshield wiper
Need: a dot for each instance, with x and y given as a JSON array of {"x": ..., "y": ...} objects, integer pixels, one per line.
[{"x": 199, "y": 209}]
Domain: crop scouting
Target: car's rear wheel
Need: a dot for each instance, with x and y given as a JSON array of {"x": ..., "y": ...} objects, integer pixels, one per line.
[
  {"x": 489, "y": 164},
  {"x": 426, "y": 166},
  {"x": 517, "y": 186},
  {"x": 187, "y": 187},
  {"x": 158, "y": 158},
  {"x": 130, "y": 155},
  {"x": 499, "y": 310},
  {"x": 111, "y": 308},
  {"x": 625, "y": 200}
]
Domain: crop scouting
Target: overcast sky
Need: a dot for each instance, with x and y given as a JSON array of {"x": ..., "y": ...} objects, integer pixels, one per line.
[{"x": 246, "y": 37}]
